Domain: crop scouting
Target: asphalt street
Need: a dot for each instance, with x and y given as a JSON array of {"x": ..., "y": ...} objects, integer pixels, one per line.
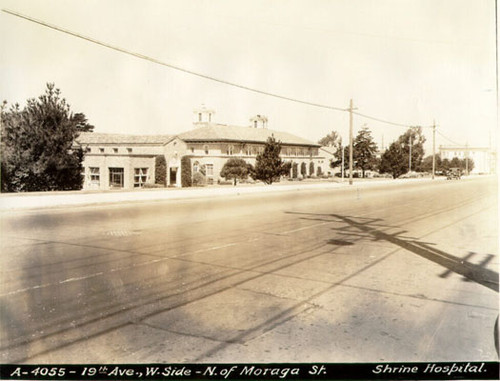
[{"x": 384, "y": 273}]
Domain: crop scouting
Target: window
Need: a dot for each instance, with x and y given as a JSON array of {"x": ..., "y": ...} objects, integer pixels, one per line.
[
  {"x": 206, "y": 149},
  {"x": 230, "y": 150},
  {"x": 129, "y": 150},
  {"x": 89, "y": 149},
  {"x": 140, "y": 177},
  {"x": 115, "y": 150},
  {"x": 199, "y": 117},
  {"x": 95, "y": 175},
  {"x": 210, "y": 169},
  {"x": 192, "y": 149},
  {"x": 196, "y": 167},
  {"x": 248, "y": 150},
  {"x": 116, "y": 177},
  {"x": 101, "y": 150}
]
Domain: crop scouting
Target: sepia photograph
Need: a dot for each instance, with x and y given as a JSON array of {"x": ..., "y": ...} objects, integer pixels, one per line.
[{"x": 291, "y": 187}]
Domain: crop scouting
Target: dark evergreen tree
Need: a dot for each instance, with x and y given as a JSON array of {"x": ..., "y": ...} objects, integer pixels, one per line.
[
  {"x": 161, "y": 170},
  {"x": 364, "y": 151},
  {"x": 38, "y": 151},
  {"x": 268, "y": 165},
  {"x": 393, "y": 161}
]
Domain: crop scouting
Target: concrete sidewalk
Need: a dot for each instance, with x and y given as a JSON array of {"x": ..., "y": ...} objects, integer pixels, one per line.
[{"x": 43, "y": 200}]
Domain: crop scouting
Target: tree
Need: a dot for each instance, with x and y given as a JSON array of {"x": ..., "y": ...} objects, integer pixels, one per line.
[
  {"x": 81, "y": 122},
  {"x": 186, "y": 180},
  {"x": 456, "y": 163},
  {"x": 161, "y": 170},
  {"x": 426, "y": 165},
  {"x": 268, "y": 164},
  {"x": 364, "y": 151},
  {"x": 414, "y": 137},
  {"x": 235, "y": 169},
  {"x": 468, "y": 165},
  {"x": 393, "y": 160},
  {"x": 39, "y": 152},
  {"x": 333, "y": 140}
]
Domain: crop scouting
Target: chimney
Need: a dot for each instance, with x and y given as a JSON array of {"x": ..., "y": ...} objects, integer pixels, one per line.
[
  {"x": 203, "y": 116},
  {"x": 259, "y": 121}
]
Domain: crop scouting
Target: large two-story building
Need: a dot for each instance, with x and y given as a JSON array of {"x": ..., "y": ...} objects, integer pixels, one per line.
[
  {"x": 484, "y": 158},
  {"x": 114, "y": 161}
]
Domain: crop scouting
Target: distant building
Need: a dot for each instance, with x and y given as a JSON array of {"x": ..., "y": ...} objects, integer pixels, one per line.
[
  {"x": 484, "y": 158},
  {"x": 114, "y": 161}
]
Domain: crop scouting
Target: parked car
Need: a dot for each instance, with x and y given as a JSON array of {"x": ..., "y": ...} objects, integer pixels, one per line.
[{"x": 454, "y": 174}]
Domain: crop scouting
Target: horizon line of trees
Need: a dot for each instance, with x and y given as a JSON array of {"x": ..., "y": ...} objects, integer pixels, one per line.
[{"x": 395, "y": 160}]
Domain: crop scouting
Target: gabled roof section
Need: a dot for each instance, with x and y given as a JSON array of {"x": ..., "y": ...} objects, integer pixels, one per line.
[
  {"x": 225, "y": 133},
  {"x": 97, "y": 138}
]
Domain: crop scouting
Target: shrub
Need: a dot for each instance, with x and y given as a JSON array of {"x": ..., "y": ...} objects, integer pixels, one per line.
[
  {"x": 186, "y": 180},
  {"x": 199, "y": 179},
  {"x": 160, "y": 170}
]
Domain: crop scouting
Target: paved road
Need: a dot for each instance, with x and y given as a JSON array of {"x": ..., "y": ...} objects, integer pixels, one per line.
[{"x": 386, "y": 273}]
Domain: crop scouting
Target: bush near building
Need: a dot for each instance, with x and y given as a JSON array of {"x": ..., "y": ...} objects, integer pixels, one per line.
[
  {"x": 235, "y": 169},
  {"x": 186, "y": 174},
  {"x": 161, "y": 170}
]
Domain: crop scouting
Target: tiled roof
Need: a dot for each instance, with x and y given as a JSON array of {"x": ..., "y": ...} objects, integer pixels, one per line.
[
  {"x": 97, "y": 138},
  {"x": 220, "y": 132}
]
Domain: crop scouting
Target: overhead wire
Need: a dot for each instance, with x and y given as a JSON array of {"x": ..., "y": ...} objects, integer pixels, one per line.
[
  {"x": 201, "y": 75},
  {"x": 447, "y": 138}
]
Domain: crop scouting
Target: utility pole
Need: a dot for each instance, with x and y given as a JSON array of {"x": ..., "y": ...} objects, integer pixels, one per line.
[
  {"x": 342, "y": 162},
  {"x": 467, "y": 158},
  {"x": 351, "y": 108},
  {"x": 433, "y": 149},
  {"x": 409, "y": 157}
]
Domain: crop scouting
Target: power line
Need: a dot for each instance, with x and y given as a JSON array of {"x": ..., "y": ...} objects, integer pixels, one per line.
[
  {"x": 205, "y": 76},
  {"x": 388, "y": 122},
  {"x": 447, "y": 138},
  {"x": 156, "y": 61}
]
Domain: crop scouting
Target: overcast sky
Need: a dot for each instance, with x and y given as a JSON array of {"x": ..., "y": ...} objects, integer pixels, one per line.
[{"x": 405, "y": 61}]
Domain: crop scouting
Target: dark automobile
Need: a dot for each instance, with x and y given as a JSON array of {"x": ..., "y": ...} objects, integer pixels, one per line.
[{"x": 454, "y": 174}]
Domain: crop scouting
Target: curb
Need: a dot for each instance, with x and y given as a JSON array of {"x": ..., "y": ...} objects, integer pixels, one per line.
[{"x": 12, "y": 202}]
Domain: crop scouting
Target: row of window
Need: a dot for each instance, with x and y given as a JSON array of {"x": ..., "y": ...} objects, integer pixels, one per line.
[
  {"x": 116, "y": 176},
  {"x": 103, "y": 150},
  {"x": 254, "y": 150}
]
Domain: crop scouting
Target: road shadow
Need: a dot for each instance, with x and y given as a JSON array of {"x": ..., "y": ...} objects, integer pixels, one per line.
[{"x": 373, "y": 228}]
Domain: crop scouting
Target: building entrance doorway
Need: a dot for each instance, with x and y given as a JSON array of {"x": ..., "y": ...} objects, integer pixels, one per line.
[
  {"x": 173, "y": 176},
  {"x": 116, "y": 177}
]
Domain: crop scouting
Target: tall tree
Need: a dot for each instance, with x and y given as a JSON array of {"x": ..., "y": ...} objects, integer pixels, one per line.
[
  {"x": 413, "y": 137},
  {"x": 38, "y": 145},
  {"x": 330, "y": 140},
  {"x": 81, "y": 122},
  {"x": 364, "y": 151},
  {"x": 268, "y": 164},
  {"x": 393, "y": 160},
  {"x": 333, "y": 140},
  {"x": 426, "y": 165}
]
